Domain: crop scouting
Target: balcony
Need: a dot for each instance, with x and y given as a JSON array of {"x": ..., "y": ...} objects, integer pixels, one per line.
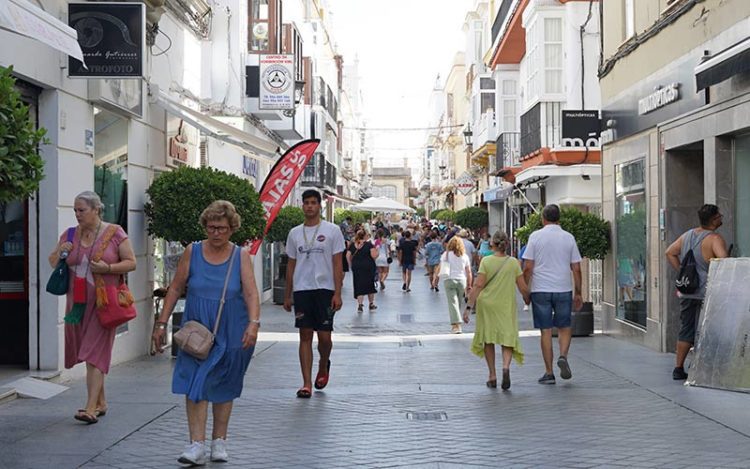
[
  {"x": 325, "y": 97},
  {"x": 485, "y": 129},
  {"x": 508, "y": 151},
  {"x": 541, "y": 127},
  {"x": 320, "y": 173}
]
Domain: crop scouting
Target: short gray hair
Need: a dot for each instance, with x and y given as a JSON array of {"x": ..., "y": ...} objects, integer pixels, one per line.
[{"x": 92, "y": 199}]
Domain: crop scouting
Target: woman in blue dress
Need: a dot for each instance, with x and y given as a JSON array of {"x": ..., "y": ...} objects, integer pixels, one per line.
[{"x": 217, "y": 379}]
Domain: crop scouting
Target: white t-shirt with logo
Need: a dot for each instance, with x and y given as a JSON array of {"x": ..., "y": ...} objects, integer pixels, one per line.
[
  {"x": 314, "y": 267},
  {"x": 553, "y": 250}
]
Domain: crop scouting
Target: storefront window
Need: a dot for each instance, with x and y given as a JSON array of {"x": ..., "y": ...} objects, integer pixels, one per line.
[
  {"x": 267, "y": 264},
  {"x": 742, "y": 226},
  {"x": 631, "y": 242},
  {"x": 111, "y": 166}
]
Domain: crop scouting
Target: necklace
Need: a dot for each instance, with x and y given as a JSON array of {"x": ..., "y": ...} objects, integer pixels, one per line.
[{"x": 309, "y": 243}]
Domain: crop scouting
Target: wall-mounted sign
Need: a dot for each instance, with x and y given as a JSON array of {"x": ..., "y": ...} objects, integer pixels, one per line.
[
  {"x": 465, "y": 183},
  {"x": 276, "y": 82},
  {"x": 182, "y": 143},
  {"x": 250, "y": 167},
  {"x": 112, "y": 36},
  {"x": 580, "y": 128},
  {"x": 659, "y": 98}
]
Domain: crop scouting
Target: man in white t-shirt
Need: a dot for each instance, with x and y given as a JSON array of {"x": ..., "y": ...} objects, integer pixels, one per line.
[
  {"x": 551, "y": 254},
  {"x": 314, "y": 275}
]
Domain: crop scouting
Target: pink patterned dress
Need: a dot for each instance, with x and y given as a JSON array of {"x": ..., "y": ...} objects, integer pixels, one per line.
[{"x": 88, "y": 341}]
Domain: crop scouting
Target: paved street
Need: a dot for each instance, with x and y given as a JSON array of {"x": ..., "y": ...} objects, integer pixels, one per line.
[{"x": 403, "y": 393}]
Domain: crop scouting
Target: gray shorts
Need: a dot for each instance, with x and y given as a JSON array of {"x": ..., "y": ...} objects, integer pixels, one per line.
[{"x": 690, "y": 309}]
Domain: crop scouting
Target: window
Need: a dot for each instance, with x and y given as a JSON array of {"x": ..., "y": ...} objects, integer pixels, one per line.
[
  {"x": 111, "y": 165},
  {"x": 264, "y": 26},
  {"x": 450, "y": 108},
  {"x": 488, "y": 102},
  {"x": 553, "y": 55},
  {"x": 630, "y": 227},
  {"x": 384, "y": 191},
  {"x": 543, "y": 66},
  {"x": 478, "y": 42},
  {"x": 509, "y": 107},
  {"x": 629, "y": 17}
]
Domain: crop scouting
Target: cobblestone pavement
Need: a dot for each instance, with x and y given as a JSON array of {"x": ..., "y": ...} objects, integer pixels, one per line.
[{"x": 402, "y": 394}]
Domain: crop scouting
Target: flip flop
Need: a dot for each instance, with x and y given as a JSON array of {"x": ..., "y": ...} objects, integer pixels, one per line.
[
  {"x": 304, "y": 393},
  {"x": 101, "y": 412},
  {"x": 321, "y": 381},
  {"x": 84, "y": 416}
]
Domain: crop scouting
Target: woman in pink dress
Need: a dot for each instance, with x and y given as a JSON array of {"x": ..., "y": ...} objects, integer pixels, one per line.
[{"x": 85, "y": 339}]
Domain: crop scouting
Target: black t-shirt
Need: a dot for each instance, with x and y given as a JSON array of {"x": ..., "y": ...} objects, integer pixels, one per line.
[{"x": 408, "y": 249}]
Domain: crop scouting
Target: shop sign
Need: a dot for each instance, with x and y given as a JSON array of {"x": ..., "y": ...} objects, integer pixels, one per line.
[
  {"x": 177, "y": 147},
  {"x": 659, "y": 98},
  {"x": 465, "y": 183},
  {"x": 112, "y": 36},
  {"x": 276, "y": 82},
  {"x": 250, "y": 167},
  {"x": 581, "y": 129}
]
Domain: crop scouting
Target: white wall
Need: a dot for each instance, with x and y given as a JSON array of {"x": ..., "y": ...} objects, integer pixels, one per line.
[{"x": 573, "y": 190}]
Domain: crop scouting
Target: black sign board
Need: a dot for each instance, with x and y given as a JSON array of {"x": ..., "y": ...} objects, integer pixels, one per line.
[
  {"x": 580, "y": 128},
  {"x": 112, "y": 36}
]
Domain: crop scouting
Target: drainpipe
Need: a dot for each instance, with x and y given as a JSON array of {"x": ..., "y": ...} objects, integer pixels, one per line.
[{"x": 581, "y": 32}]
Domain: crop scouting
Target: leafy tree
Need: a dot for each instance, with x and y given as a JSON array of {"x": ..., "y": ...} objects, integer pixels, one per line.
[
  {"x": 340, "y": 214},
  {"x": 631, "y": 232},
  {"x": 444, "y": 215},
  {"x": 590, "y": 231},
  {"x": 177, "y": 199},
  {"x": 288, "y": 218},
  {"x": 420, "y": 211},
  {"x": 472, "y": 218},
  {"x": 21, "y": 167}
]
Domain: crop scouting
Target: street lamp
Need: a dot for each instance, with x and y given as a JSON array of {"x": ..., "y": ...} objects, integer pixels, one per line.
[{"x": 468, "y": 135}]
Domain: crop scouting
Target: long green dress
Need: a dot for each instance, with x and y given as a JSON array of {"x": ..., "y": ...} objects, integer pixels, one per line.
[{"x": 497, "y": 310}]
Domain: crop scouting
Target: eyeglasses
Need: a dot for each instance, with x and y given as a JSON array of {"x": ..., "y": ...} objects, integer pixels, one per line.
[{"x": 217, "y": 229}]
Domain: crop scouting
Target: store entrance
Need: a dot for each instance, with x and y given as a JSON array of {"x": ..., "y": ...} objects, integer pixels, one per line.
[{"x": 742, "y": 201}]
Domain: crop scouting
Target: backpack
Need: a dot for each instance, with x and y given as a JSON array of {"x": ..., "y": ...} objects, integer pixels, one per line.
[{"x": 688, "y": 281}]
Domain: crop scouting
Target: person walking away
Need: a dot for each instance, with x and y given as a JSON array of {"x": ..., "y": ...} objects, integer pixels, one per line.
[
  {"x": 101, "y": 249},
  {"x": 205, "y": 267},
  {"x": 550, "y": 255},
  {"x": 494, "y": 295},
  {"x": 706, "y": 244},
  {"x": 314, "y": 277},
  {"x": 469, "y": 247},
  {"x": 407, "y": 257},
  {"x": 433, "y": 250},
  {"x": 457, "y": 285},
  {"x": 384, "y": 258},
  {"x": 485, "y": 248},
  {"x": 361, "y": 257}
]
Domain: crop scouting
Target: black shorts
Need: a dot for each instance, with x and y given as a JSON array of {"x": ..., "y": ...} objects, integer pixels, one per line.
[
  {"x": 690, "y": 310},
  {"x": 312, "y": 310}
]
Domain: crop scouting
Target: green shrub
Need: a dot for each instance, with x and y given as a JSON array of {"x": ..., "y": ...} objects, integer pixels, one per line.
[
  {"x": 340, "y": 214},
  {"x": 444, "y": 215},
  {"x": 177, "y": 198},
  {"x": 288, "y": 218},
  {"x": 420, "y": 211},
  {"x": 21, "y": 167},
  {"x": 590, "y": 231},
  {"x": 472, "y": 218}
]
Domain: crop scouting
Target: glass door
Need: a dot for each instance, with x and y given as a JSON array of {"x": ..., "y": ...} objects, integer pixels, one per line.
[{"x": 742, "y": 202}]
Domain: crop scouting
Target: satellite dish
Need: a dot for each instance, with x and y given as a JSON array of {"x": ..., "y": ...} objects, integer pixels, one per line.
[{"x": 260, "y": 31}]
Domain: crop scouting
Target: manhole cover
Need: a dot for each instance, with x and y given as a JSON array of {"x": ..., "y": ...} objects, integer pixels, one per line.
[
  {"x": 426, "y": 416},
  {"x": 405, "y": 318},
  {"x": 410, "y": 343}
]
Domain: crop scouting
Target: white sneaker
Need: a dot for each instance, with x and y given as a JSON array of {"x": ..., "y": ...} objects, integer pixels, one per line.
[
  {"x": 195, "y": 454},
  {"x": 219, "y": 450}
]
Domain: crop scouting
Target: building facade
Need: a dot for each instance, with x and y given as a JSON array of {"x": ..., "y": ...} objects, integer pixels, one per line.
[{"x": 675, "y": 88}]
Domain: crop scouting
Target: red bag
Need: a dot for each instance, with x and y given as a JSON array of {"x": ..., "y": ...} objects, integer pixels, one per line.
[
  {"x": 79, "y": 290},
  {"x": 114, "y": 305}
]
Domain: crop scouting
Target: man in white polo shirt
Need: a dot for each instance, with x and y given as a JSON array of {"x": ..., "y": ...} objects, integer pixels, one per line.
[{"x": 551, "y": 254}]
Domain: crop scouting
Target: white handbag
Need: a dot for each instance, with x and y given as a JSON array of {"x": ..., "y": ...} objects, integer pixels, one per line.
[{"x": 445, "y": 268}]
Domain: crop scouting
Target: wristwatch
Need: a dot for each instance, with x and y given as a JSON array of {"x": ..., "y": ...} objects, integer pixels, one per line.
[
  {"x": 160, "y": 324},
  {"x": 255, "y": 321}
]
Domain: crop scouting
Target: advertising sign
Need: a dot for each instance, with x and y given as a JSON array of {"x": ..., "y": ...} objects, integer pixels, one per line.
[
  {"x": 276, "y": 82},
  {"x": 465, "y": 183},
  {"x": 581, "y": 128},
  {"x": 112, "y": 37}
]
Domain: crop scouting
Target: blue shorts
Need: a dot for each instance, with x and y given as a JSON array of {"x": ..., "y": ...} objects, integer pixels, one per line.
[
  {"x": 551, "y": 309},
  {"x": 406, "y": 267}
]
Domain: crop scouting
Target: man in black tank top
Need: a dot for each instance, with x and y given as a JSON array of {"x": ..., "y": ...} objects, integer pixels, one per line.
[{"x": 706, "y": 244}]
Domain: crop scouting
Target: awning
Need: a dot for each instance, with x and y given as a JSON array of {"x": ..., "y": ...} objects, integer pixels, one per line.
[
  {"x": 21, "y": 17},
  {"x": 498, "y": 193},
  {"x": 551, "y": 170},
  {"x": 264, "y": 149},
  {"x": 723, "y": 65}
]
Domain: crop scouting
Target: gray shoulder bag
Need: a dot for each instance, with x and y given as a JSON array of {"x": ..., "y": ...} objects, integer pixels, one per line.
[{"x": 193, "y": 337}]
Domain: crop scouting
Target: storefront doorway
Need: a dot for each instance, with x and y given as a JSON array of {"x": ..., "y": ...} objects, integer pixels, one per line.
[{"x": 742, "y": 204}]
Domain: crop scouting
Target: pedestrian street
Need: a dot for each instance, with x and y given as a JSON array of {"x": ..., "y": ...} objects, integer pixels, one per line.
[{"x": 403, "y": 392}]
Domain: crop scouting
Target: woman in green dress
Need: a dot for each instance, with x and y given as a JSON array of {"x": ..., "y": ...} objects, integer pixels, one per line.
[{"x": 494, "y": 294}]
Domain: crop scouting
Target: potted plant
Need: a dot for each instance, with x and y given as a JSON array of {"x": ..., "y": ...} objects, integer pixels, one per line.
[
  {"x": 21, "y": 167},
  {"x": 287, "y": 218},
  {"x": 177, "y": 199},
  {"x": 592, "y": 237}
]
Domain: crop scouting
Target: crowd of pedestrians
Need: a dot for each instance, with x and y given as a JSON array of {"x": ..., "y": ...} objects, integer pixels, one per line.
[{"x": 473, "y": 269}]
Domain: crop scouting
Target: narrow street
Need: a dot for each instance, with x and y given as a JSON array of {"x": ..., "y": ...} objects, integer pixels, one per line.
[{"x": 403, "y": 393}]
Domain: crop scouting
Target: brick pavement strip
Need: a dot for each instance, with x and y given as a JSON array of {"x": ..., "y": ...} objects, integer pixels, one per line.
[{"x": 613, "y": 413}]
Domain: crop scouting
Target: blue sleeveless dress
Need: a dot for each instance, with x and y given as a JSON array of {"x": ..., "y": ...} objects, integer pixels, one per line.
[{"x": 219, "y": 377}]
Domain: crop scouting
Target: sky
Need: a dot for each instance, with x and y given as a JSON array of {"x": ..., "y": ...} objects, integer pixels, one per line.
[{"x": 402, "y": 45}]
